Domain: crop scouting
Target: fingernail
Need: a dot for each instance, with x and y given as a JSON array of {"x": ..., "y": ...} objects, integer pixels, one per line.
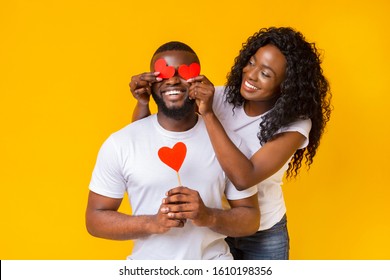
[{"x": 159, "y": 79}]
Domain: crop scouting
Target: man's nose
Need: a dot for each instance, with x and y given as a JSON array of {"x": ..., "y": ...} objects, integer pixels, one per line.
[{"x": 175, "y": 79}]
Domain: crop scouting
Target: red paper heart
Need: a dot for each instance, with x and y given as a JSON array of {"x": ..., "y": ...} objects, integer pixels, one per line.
[
  {"x": 173, "y": 157},
  {"x": 188, "y": 72},
  {"x": 166, "y": 72}
]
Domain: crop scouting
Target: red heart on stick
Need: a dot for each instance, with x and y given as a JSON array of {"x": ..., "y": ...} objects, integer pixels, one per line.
[
  {"x": 166, "y": 72},
  {"x": 173, "y": 157},
  {"x": 191, "y": 71}
]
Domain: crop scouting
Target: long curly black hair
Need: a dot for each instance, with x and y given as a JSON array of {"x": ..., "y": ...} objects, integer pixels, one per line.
[{"x": 305, "y": 92}]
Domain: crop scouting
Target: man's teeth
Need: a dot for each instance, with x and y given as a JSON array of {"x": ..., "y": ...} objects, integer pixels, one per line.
[
  {"x": 250, "y": 86},
  {"x": 172, "y": 92}
]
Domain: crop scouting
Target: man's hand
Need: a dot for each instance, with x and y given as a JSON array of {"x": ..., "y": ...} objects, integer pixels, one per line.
[
  {"x": 184, "y": 203},
  {"x": 163, "y": 222}
]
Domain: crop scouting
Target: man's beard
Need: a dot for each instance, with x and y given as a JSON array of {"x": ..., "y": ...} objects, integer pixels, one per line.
[{"x": 176, "y": 113}]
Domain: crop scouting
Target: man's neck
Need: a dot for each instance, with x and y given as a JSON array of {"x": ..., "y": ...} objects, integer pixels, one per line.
[{"x": 177, "y": 125}]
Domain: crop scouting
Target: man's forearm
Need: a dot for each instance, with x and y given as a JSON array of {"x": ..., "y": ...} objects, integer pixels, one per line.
[
  {"x": 240, "y": 221},
  {"x": 119, "y": 226}
]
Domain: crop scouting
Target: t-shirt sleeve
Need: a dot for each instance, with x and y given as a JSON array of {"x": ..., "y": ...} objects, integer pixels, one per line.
[
  {"x": 219, "y": 107},
  {"x": 301, "y": 126},
  {"x": 107, "y": 177},
  {"x": 232, "y": 193}
]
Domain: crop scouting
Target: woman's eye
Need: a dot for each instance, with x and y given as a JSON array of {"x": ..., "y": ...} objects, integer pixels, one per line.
[{"x": 265, "y": 74}]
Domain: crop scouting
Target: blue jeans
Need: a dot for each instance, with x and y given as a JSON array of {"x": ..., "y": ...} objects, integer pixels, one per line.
[{"x": 270, "y": 244}]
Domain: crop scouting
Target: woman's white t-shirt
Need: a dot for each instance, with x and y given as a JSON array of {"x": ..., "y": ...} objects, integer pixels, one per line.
[{"x": 270, "y": 194}]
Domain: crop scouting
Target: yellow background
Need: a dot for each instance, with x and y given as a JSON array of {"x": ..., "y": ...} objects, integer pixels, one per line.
[{"x": 65, "y": 68}]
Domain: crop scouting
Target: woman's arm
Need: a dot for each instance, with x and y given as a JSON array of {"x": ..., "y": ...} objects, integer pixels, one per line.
[
  {"x": 140, "y": 111},
  {"x": 140, "y": 88},
  {"x": 243, "y": 172}
]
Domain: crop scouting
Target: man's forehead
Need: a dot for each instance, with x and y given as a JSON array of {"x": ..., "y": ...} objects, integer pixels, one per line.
[{"x": 176, "y": 58}]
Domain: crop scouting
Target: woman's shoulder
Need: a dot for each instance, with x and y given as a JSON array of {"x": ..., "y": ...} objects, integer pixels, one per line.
[
  {"x": 304, "y": 124},
  {"x": 219, "y": 104},
  {"x": 219, "y": 93},
  {"x": 219, "y": 89}
]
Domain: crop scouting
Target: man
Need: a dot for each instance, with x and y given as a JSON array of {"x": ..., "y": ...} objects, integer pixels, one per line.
[{"x": 152, "y": 160}]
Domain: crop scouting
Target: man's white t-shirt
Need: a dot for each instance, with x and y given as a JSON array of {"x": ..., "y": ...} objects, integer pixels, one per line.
[
  {"x": 128, "y": 161},
  {"x": 270, "y": 194}
]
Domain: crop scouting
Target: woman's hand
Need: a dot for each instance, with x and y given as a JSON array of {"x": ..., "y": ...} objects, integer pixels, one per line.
[
  {"x": 140, "y": 86},
  {"x": 202, "y": 90}
]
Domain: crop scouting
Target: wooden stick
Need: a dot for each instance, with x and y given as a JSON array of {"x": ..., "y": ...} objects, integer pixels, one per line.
[{"x": 178, "y": 178}]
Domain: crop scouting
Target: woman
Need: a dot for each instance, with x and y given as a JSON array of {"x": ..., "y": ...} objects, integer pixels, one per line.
[{"x": 278, "y": 100}]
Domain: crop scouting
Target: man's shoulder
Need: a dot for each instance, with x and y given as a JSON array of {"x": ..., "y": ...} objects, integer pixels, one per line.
[
  {"x": 234, "y": 137},
  {"x": 142, "y": 126}
]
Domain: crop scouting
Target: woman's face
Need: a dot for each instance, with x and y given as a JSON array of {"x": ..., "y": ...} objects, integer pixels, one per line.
[{"x": 262, "y": 76}]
